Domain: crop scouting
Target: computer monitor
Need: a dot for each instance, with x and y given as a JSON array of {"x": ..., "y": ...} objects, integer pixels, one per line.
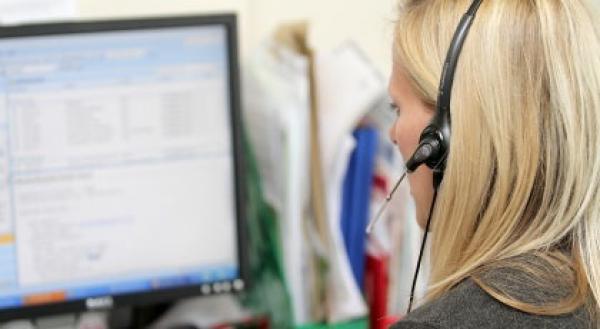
[{"x": 120, "y": 164}]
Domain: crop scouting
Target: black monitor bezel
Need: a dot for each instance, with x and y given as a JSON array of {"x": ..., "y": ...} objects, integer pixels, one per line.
[{"x": 229, "y": 21}]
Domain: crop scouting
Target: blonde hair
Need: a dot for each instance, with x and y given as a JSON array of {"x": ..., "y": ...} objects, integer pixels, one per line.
[{"x": 522, "y": 184}]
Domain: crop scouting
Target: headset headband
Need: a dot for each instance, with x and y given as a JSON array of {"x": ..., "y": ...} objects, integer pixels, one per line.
[{"x": 434, "y": 142}]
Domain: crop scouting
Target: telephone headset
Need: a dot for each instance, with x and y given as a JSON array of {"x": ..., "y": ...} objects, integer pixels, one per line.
[{"x": 434, "y": 142}]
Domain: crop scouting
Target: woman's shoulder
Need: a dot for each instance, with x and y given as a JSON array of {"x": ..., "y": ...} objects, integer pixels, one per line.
[{"x": 468, "y": 306}]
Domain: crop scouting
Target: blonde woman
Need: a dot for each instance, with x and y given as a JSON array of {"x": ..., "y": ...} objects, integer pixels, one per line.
[{"x": 516, "y": 226}]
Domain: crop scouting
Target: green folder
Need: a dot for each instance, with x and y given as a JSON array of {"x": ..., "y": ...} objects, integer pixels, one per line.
[
  {"x": 357, "y": 324},
  {"x": 268, "y": 292}
]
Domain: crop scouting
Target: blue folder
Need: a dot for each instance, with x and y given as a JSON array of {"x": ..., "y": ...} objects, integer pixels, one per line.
[{"x": 356, "y": 199}]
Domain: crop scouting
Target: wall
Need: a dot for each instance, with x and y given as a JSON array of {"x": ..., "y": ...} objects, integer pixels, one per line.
[{"x": 368, "y": 23}]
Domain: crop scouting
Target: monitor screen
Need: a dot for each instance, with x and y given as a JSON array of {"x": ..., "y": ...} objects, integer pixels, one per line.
[{"x": 118, "y": 164}]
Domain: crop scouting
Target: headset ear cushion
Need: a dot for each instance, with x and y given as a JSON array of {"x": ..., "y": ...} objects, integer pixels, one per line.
[{"x": 428, "y": 152}]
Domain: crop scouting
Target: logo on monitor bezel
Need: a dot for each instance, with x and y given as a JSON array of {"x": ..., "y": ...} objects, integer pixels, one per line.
[{"x": 96, "y": 303}]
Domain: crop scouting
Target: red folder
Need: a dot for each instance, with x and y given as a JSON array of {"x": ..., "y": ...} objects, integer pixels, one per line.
[{"x": 376, "y": 290}]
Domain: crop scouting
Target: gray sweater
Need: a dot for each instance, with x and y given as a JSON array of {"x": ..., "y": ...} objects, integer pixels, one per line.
[{"x": 467, "y": 306}]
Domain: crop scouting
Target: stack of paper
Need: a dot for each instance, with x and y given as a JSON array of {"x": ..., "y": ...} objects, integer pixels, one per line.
[
  {"x": 348, "y": 87},
  {"x": 276, "y": 114},
  {"x": 302, "y": 110}
]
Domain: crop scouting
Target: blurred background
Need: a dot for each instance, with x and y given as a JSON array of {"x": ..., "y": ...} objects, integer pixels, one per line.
[
  {"x": 318, "y": 165},
  {"x": 331, "y": 22}
]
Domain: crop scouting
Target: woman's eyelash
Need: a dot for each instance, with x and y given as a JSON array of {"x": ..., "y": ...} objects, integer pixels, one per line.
[{"x": 394, "y": 108}]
